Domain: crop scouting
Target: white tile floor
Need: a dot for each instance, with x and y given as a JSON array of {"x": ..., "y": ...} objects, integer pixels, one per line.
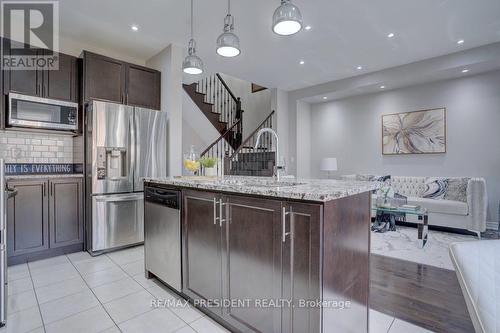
[{"x": 79, "y": 293}]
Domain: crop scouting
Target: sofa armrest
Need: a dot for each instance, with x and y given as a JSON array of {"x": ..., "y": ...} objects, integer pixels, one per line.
[{"x": 477, "y": 200}]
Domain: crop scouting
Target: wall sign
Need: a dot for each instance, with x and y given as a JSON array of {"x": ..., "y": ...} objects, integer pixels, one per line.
[{"x": 40, "y": 168}]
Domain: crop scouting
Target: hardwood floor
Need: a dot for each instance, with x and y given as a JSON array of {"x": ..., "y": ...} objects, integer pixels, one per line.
[{"x": 424, "y": 295}]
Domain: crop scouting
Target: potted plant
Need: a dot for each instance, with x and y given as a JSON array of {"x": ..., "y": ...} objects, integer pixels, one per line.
[{"x": 209, "y": 164}]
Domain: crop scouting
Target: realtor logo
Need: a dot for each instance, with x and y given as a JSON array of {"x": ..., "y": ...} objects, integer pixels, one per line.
[{"x": 32, "y": 32}]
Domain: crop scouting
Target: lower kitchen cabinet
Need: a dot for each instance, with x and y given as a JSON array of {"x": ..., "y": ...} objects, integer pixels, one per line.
[
  {"x": 65, "y": 212},
  {"x": 241, "y": 248},
  {"x": 45, "y": 216},
  {"x": 28, "y": 218},
  {"x": 202, "y": 254}
]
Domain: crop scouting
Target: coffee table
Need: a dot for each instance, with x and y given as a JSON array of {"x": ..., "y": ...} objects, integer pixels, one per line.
[{"x": 418, "y": 216}]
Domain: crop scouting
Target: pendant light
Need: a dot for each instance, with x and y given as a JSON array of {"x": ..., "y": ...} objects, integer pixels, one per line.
[
  {"x": 228, "y": 44},
  {"x": 192, "y": 63},
  {"x": 287, "y": 19}
]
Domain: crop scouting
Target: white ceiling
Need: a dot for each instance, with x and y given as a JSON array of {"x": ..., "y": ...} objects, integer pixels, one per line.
[{"x": 344, "y": 34}]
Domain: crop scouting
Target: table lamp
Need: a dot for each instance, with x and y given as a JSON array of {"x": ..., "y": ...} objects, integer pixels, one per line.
[{"x": 328, "y": 164}]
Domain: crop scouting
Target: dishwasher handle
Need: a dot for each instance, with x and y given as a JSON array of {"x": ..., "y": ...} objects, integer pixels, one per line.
[{"x": 169, "y": 198}]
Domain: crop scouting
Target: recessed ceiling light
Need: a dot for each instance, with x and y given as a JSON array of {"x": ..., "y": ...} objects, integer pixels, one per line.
[
  {"x": 391, "y": 35},
  {"x": 308, "y": 27},
  {"x": 302, "y": 62},
  {"x": 461, "y": 41},
  {"x": 382, "y": 87},
  {"x": 359, "y": 68},
  {"x": 465, "y": 70},
  {"x": 134, "y": 27},
  {"x": 324, "y": 97}
]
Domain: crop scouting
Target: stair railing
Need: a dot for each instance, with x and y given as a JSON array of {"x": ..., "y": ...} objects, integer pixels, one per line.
[
  {"x": 222, "y": 147},
  {"x": 218, "y": 93},
  {"x": 266, "y": 144}
]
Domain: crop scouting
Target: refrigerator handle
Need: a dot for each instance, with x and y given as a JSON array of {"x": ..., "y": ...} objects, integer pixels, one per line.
[{"x": 132, "y": 145}]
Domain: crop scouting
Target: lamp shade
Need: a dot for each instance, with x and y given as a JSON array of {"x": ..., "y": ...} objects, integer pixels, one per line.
[{"x": 328, "y": 164}]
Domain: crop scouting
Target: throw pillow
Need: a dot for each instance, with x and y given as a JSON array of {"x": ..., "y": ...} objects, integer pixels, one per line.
[
  {"x": 435, "y": 188},
  {"x": 457, "y": 189}
]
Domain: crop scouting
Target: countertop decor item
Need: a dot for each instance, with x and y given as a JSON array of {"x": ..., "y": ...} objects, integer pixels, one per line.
[
  {"x": 329, "y": 164},
  {"x": 191, "y": 161},
  {"x": 209, "y": 166},
  {"x": 418, "y": 132}
]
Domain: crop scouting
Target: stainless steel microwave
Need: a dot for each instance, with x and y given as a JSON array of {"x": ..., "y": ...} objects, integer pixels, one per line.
[{"x": 42, "y": 113}]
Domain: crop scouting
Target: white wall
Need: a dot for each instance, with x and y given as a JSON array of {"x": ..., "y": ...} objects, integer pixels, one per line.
[
  {"x": 169, "y": 62},
  {"x": 303, "y": 140},
  {"x": 256, "y": 106},
  {"x": 197, "y": 130},
  {"x": 350, "y": 129}
]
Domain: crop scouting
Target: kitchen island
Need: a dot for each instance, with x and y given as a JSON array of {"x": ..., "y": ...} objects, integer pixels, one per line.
[{"x": 263, "y": 256}]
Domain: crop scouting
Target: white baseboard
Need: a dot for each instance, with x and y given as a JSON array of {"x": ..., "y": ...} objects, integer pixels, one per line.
[{"x": 492, "y": 225}]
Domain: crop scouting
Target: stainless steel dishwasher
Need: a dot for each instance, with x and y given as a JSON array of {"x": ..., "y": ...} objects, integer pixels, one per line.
[{"x": 162, "y": 235}]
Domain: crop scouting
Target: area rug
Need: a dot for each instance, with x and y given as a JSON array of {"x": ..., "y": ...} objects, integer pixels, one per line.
[{"x": 402, "y": 244}]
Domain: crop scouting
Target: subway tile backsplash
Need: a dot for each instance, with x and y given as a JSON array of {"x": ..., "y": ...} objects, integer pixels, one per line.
[{"x": 30, "y": 147}]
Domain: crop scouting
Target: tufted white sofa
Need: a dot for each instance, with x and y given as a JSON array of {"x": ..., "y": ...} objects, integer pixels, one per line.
[
  {"x": 469, "y": 214},
  {"x": 477, "y": 265}
]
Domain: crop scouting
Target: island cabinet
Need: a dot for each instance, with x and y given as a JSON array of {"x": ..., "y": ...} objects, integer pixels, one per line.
[
  {"x": 45, "y": 218},
  {"x": 256, "y": 254}
]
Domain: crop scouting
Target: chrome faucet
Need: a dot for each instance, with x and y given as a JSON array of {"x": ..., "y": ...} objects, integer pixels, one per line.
[{"x": 277, "y": 167}]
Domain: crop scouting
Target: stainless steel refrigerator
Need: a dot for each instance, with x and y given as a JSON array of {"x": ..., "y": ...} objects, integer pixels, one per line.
[{"x": 124, "y": 144}]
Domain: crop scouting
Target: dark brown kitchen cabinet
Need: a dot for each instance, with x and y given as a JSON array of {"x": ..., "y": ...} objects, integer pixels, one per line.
[
  {"x": 28, "y": 218},
  {"x": 59, "y": 84},
  {"x": 26, "y": 82},
  {"x": 103, "y": 78},
  {"x": 252, "y": 262},
  {"x": 301, "y": 266},
  {"x": 62, "y": 84},
  {"x": 116, "y": 81},
  {"x": 202, "y": 254},
  {"x": 65, "y": 212},
  {"x": 143, "y": 88},
  {"x": 256, "y": 249},
  {"x": 45, "y": 218}
]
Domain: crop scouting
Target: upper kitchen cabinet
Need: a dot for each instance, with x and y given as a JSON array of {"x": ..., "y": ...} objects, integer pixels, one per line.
[
  {"x": 63, "y": 83},
  {"x": 21, "y": 81},
  {"x": 103, "y": 78},
  {"x": 58, "y": 84},
  {"x": 143, "y": 87},
  {"x": 116, "y": 81}
]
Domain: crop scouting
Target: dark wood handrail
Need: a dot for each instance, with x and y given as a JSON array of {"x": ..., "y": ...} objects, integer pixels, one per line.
[
  {"x": 236, "y": 151},
  {"x": 227, "y": 88},
  {"x": 220, "y": 137}
]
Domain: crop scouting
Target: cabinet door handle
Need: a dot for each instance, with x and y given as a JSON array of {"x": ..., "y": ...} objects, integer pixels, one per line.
[
  {"x": 221, "y": 220},
  {"x": 215, "y": 211},
  {"x": 284, "y": 213},
  {"x": 43, "y": 190},
  {"x": 51, "y": 189}
]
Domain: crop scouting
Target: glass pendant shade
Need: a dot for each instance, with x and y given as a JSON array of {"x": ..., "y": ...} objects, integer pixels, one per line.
[
  {"x": 192, "y": 64},
  {"x": 228, "y": 44},
  {"x": 287, "y": 19}
]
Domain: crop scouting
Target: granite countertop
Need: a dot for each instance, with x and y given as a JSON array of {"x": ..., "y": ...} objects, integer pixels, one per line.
[
  {"x": 69, "y": 175},
  {"x": 319, "y": 190}
]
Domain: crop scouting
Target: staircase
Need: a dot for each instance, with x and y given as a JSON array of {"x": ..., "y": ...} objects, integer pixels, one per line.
[
  {"x": 248, "y": 160},
  {"x": 223, "y": 109}
]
